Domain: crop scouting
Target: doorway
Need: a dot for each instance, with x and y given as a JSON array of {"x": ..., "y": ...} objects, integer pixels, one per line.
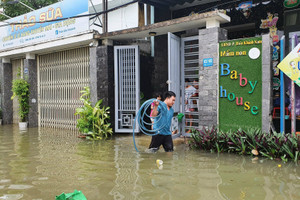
[{"x": 183, "y": 79}]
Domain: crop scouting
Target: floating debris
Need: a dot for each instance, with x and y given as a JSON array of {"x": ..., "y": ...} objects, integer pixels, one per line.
[
  {"x": 159, "y": 164},
  {"x": 254, "y": 152}
]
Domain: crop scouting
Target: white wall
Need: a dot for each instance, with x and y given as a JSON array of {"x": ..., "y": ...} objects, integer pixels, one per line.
[{"x": 123, "y": 18}]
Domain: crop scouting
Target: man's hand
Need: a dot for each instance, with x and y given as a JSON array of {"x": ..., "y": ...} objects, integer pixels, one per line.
[
  {"x": 154, "y": 112},
  {"x": 156, "y": 103}
]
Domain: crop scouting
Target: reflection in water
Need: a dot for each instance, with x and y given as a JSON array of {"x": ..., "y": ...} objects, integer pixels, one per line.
[
  {"x": 43, "y": 163},
  {"x": 127, "y": 172},
  {"x": 258, "y": 180}
]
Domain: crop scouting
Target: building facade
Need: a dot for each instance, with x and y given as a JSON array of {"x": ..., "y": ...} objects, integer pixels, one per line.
[{"x": 154, "y": 47}]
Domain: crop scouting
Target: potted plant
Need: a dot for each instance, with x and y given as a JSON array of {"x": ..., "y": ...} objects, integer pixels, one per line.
[
  {"x": 20, "y": 89},
  {"x": 93, "y": 121}
]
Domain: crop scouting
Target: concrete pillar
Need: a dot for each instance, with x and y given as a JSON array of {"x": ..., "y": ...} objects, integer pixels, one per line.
[
  {"x": 267, "y": 91},
  {"x": 209, "y": 76},
  {"x": 102, "y": 76},
  {"x": 6, "y": 84},
  {"x": 211, "y": 23},
  {"x": 30, "y": 72}
]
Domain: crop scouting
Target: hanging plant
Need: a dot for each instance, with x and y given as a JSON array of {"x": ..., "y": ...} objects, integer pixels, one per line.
[{"x": 20, "y": 89}]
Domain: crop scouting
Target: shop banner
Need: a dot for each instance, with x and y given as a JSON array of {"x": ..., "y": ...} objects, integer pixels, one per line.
[
  {"x": 290, "y": 65},
  {"x": 240, "y": 84},
  {"x": 29, "y": 31}
]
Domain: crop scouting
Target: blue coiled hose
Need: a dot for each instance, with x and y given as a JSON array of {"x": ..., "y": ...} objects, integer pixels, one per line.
[{"x": 142, "y": 115}]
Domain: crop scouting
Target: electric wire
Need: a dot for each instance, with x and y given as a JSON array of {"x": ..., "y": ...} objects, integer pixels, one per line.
[{"x": 159, "y": 121}]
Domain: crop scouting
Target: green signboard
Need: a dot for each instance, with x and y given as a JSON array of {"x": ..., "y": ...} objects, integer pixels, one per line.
[
  {"x": 291, "y": 3},
  {"x": 240, "y": 84}
]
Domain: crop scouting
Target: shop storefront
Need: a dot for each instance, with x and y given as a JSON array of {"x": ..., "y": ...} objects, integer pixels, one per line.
[{"x": 54, "y": 57}]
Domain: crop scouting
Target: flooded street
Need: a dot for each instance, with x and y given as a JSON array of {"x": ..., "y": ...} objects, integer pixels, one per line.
[{"x": 42, "y": 163}]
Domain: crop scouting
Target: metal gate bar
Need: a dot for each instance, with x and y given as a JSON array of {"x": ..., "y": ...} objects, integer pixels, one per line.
[
  {"x": 62, "y": 75},
  {"x": 190, "y": 64}
]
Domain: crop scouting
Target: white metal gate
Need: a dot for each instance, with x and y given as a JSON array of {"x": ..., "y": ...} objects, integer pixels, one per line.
[
  {"x": 183, "y": 75},
  {"x": 61, "y": 77},
  {"x": 174, "y": 78},
  {"x": 174, "y": 68},
  {"x": 127, "y": 87}
]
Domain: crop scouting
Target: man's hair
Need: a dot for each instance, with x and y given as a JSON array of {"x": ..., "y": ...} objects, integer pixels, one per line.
[
  {"x": 169, "y": 94},
  {"x": 157, "y": 94}
]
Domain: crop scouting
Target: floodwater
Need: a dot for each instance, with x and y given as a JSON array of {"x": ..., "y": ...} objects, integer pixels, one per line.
[{"x": 42, "y": 163}]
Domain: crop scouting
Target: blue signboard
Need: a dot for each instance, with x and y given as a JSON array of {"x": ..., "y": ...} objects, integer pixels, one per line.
[
  {"x": 208, "y": 62},
  {"x": 45, "y": 24},
  {"x": 245, "y": 5},
  {"x": 26, "y": 70}
]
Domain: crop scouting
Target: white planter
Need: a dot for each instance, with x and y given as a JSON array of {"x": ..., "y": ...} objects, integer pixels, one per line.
[{"x": 23, "y": 125}]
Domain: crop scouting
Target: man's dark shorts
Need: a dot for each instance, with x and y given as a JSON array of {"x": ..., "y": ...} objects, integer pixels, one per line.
[{"x": 165, "y": 140}]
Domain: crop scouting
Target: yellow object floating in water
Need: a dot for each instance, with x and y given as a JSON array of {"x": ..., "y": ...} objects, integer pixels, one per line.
[
  {"x": 159, "y": 162},
  {"x": 279, "y": 166}
]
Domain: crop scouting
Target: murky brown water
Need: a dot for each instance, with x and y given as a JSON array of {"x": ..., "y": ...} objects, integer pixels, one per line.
[{"x": 40, "y": 164}]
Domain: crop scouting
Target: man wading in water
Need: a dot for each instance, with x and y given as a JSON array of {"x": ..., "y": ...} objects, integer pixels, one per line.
[{"x": 164, "y": 136}]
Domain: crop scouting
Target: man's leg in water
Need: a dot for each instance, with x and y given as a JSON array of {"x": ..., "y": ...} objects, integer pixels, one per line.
[
  {"x": 156, "y": 141},
  {"x": 168, "y": 143}
]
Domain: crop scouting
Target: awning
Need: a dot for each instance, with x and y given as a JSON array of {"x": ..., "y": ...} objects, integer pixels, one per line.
[{"x": 174, "y": 25}]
